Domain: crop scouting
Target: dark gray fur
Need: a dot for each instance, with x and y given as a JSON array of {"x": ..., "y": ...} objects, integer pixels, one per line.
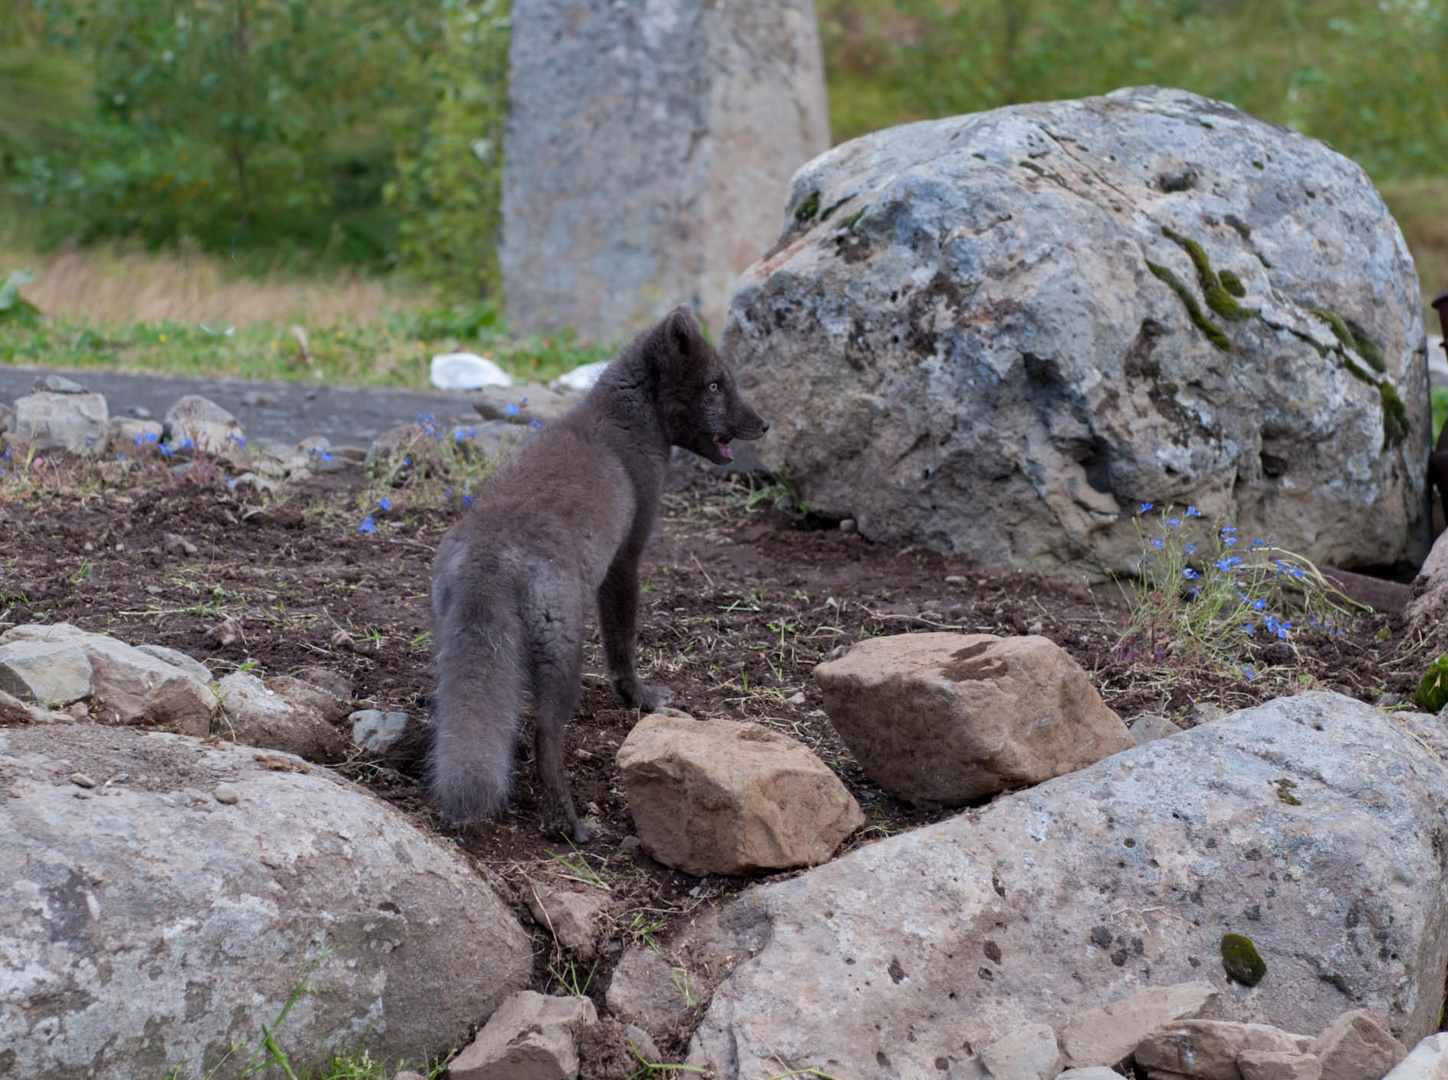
[{"x": 560, "y": 526}]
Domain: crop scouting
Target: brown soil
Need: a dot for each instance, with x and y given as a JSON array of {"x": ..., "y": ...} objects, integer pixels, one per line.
[{"x": 740, "y": 605}]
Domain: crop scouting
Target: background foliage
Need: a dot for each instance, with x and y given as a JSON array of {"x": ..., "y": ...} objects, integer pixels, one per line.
[{"x": 313, "y": 134}]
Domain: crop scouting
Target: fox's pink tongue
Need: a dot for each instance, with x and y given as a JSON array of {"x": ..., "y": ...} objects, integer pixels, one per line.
[{"x": 724, "y": 451}]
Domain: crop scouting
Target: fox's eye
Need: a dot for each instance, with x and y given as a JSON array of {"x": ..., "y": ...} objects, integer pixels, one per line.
[{"x": 714, "y": 387}]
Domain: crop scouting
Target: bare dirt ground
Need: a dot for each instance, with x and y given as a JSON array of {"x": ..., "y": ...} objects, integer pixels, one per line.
[{"x": 740, "y": 602}]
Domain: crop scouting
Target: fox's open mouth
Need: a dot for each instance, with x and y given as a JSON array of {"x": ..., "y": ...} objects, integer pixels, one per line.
[{"x": 721, "y": 447}]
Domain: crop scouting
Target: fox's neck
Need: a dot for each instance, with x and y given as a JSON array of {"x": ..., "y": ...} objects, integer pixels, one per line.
[{"x": 626, "y": 399}]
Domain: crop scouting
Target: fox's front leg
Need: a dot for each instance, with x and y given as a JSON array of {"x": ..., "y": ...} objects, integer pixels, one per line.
[{"x": 618, "y": 607}]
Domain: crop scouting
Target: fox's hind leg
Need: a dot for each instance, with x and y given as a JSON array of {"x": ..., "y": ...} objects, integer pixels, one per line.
[
  {"x": 557, "y": 678},
  {"x": 618, "y": 616}
]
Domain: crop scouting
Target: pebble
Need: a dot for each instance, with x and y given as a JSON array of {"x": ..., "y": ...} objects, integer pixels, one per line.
[
  {"x": 226, "y": 794},
  {"x": 80, "y": 779},
  {"x": 849, "y": 525},
  {"x": 1036, "y": 629},
  {"x": 630, "y": 843},
  {"x": 954, "y": 579},
  {"x": 797, "y": 699}
]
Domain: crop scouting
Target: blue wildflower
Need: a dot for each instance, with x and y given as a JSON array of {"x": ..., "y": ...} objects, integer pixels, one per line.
[
  {"x": 1145, "y": 507},
  {"x": 511, "y": 410},
  {"x": 1172, "y": 523},
  {"x": 1192, "y": 511},
  {"x": 407, "y": 460},
  {"x": 1259, "y": 543},
  {"x": 385, "y": 503},
  {"x": 120, "y": 457},
  {"x": 1227, "y": 563},
  {"x": 535, "y": 423},
  {"x": 467, "y": 500},
  {"x": 1249, "y": 673},
  {"x": 1259, "y": 603},
  {"x": 1190, "y": 574},
  {"x": 368, "y": 525},
  {"x": 187, "y": 444},
  {"x": 1191, "y": 548},
  {"x": 166, "y": 451},
  {"x": 1157, "y": 541}
]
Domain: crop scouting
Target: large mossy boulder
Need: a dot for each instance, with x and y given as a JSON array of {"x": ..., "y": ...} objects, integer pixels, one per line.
[{"x": 999, "y": 333}]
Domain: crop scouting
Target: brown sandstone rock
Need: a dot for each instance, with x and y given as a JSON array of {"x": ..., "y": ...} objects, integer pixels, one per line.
[
  {"x": 1356, "y": 1046},
  {"x": 719, "y": 797},
  {"x": 1107, "y": 1035},
  {"x": 953, "y": 718}
]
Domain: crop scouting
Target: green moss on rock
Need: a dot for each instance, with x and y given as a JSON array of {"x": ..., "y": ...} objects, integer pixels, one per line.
[
  {"x": 1194, "y": 310},
  {"x": 808, "y": 207},
  {"x": 1370, "y": 351},
  {"x": 1339, "y": 327},
  {"x": 1198, "y": 256},
  {"x": 1232, "y": 283},
  {"x": 1432, "y": 692},
  {"x": 1220, "y": 301},
  {"x": 1241, "y": 960},
  {"x": 1395, "y": 416}
]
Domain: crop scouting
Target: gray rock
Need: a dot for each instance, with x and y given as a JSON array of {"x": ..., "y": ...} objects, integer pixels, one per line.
[
  {"x": 972, "y": 350},
  {"x": 529, "y": 1037},
  {"x": 255, "y": 714},
  {"x": 648, "y": 150},
  {"x": 1106, "y": 1036},
  {"x": 130, "y": 686},
  {"x": 952, "y": 718},
  {"x": 1088, "y": 874},
  {"x": 721, "y": 797},
  {"x": 575, "y": 916},
  {"x": 49, "y": 673},
  {"x": 79, "y": 423},
  {"x": 1094, "y": 1072},
  {"x": 7, "y": 417},
  {"x": 1149, "y": 726},
  {"x": 647, "y": 990},
  {"x": 377, "y": 731},
  {"x": 177, "y": 659},
  {"x": 215, "y": 431},
  {"x": 1426, "y": 1061},
  {"x": 157, "y": 909},
  {"x": 58, "y": 384},
  {"x": 127, "y": 435},
  {"x": 522, "y": 404}
]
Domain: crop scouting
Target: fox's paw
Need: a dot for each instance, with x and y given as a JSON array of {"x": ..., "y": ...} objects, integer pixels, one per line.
[{"x": 646, "y": 697}]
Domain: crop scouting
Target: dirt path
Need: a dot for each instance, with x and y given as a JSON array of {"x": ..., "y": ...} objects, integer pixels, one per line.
[{"x": 344, "y": 415}]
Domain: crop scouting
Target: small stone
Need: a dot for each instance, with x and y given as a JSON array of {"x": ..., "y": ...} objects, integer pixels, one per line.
[
  {"x": 529, "y": 1037},
  {"x": 849, "y": 525},
  {"x": 378, "y": 731},
  {"x": 174, "y": 544},
  {"x": 1036, "y": 629},
  {"x": 1356, "y": 1046},
  {"x": 797, "y": 698},
  {"x": 226, "y": 794},
  {"x": 1149, "y": 726},
  {"x": 80, "y": 710},
  {"x": 1029, "y": 1053},
  {"x": 82, "y": 794},
  {"x": 58, "y": 384},
  {"x": 574, "y": 916},
  {"x": 1204, "y": 713},
  {"x": 630, "y": 844},
  {"x": 954, "y": 579},
  {"x": 80, "y": 779}
]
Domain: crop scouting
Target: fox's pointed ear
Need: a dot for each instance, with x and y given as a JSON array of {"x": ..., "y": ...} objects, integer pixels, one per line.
[{"x": 681, "y": 329}]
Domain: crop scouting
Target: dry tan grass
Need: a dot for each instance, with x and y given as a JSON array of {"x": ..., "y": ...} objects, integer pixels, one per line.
[{"x": 117, "y": 285}]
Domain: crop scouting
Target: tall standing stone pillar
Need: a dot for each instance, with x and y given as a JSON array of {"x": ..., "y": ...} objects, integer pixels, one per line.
[{"x": 649, "y": 147}]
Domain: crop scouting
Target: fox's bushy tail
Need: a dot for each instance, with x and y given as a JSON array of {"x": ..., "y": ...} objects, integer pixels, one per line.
[{"x": 477, "y": 710}]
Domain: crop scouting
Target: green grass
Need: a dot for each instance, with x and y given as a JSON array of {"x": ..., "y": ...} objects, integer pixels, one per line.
[{"x": 393, "y": 350}]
